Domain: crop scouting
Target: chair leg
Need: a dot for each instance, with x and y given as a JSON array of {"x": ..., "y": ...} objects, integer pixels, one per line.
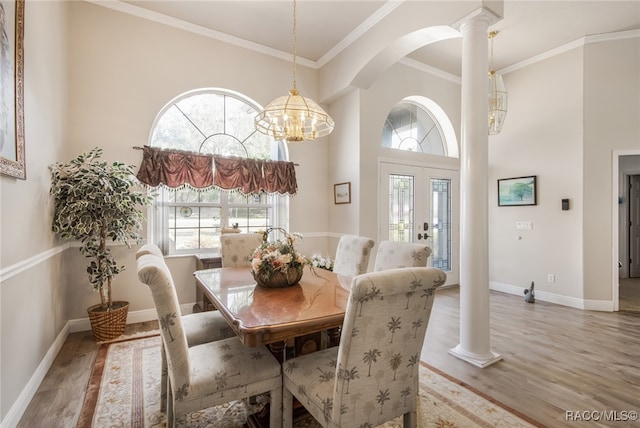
[
  {"x": 287, "y": 408},
  {"x": 410, "y": 420},
  {"x": 164, "y": 377},
  {"x": 275, "y": 410},
  {"x": 170, "y": 410}
]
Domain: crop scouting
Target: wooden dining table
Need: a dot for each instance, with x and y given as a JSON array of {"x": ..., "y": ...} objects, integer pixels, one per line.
[{"x": 288, "y": 319}]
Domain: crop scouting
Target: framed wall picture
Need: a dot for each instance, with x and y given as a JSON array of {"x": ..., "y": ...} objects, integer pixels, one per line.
[
  {"x": 342, "y": 193},
  {"x": 12, "y": 160},
  {"x": 517, "y": 191}
]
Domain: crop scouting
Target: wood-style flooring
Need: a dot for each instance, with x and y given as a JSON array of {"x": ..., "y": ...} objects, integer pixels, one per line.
[{"x": 555, "y": 359}]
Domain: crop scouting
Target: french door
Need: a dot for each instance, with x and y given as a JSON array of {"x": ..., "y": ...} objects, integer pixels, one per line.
[{"x": 420, "y": 204}]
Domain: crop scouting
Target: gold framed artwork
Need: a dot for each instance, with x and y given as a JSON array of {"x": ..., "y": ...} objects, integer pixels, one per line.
[
  {"x": 342, "y": 193},
  {"x": 12, "y": 160}
]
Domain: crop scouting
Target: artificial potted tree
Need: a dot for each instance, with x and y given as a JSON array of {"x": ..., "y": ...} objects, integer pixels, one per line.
[{"x": 96, "y": 202}]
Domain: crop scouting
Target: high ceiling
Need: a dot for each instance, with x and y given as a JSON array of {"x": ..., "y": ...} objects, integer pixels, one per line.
[{"x": 529, "y": 28}]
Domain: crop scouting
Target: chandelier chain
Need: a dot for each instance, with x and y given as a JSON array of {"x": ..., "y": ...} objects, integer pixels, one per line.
[
  {"x": 294, "y": 44},
  {"x": 492, "y": 35}
]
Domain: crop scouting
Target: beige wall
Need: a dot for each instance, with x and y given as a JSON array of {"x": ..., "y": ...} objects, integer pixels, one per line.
[
  {"x": 542, "y": 136},
  {"x": 611, "y": 112},
  {"x": 344, "y": 164},
  {"x": 32, "y": 303},
  {"x": 567, "y": 115}
]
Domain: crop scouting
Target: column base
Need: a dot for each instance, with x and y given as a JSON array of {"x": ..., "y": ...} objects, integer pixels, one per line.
[{"x": 481, "y": 361}]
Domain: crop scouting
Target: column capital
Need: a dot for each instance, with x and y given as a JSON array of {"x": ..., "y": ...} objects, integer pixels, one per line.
[{"x": 480, "y": 15}]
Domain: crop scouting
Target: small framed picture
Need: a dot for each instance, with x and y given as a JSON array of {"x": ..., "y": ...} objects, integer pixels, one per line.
[
  {"x": 342, "y": 193},
  {"x": 517, "y": 191}
]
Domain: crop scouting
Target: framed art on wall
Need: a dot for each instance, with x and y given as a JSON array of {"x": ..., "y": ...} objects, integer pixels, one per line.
[
  {"x": 517, "y": 191},
  {"x": 12, "y": 151},
  {"x": 342, "y": 193}
]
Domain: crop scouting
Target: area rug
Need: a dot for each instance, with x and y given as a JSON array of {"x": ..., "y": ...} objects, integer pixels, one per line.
[{"x": 124, "y": 391}]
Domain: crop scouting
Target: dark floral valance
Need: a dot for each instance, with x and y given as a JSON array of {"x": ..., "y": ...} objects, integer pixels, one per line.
[{"x": 176, "y": 169}]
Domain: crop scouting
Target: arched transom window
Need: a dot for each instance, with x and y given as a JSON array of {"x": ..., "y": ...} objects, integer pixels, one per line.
[{"x": 417, "y": 124}]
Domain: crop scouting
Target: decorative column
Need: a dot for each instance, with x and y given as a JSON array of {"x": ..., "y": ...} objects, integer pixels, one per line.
[{"x": 474, "y": 346}]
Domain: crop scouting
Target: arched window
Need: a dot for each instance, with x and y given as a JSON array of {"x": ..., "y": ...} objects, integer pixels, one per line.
[
  {"x": 221, "y": 122},
  {"x": 418, "y": 124}
]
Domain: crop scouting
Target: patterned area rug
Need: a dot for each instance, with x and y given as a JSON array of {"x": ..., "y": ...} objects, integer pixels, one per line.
[{"x": 124, "y": 391}]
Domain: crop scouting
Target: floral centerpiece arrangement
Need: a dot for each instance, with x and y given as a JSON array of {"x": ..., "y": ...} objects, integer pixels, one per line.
[{"x": 277, "y": 264}]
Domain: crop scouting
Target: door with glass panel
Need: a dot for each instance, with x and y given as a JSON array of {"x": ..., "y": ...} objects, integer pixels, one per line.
[{"x": 420, "y": 205}]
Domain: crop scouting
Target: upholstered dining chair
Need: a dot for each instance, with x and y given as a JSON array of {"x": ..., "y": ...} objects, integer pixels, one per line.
[
  {"x": 236, "y": 249},
  {"x": 392, "y": 255},
  {"x": 212, "y": 373},
  {"x": 200, "y": 327},
  {"x": 352, "y": 255},
  {"x": 372, "y": 376}
]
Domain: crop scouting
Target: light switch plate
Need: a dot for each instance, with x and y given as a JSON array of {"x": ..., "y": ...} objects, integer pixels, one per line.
[{"x": 525, "y": 225}]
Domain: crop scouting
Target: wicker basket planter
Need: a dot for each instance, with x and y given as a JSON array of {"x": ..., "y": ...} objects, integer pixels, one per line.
[
  {"x": 279, "y": 279},
  {"x": 108, "y": 325}
]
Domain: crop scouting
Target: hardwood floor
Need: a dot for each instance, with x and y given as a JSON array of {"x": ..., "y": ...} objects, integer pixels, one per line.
[
  {"x": 58, "y": 402},
  {"x": 629, "y": 295},
  {"x": 554, "y": 359}
]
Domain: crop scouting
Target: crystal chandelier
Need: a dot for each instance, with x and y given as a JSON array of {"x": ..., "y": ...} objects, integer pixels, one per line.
[
  {"x": 294, "y": 117},
  {"x": 497, "y": 96}
]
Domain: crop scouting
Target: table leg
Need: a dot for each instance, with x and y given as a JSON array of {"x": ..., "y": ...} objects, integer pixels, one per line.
[
  {"x": 333, "y": 335},
  {"x": 277, "y": 349}
]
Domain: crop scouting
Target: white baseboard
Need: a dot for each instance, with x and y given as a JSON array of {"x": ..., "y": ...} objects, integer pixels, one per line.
[
  {"x": 22, "y": 402},
  {"x": 545, "y": 296}
]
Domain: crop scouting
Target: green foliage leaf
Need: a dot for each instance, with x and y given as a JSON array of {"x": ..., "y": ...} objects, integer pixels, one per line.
[{"x": 95, "y": 201}]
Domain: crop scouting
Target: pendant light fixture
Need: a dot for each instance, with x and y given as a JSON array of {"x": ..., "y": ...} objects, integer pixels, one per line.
[
  {"x": 294, "y": 117},
  {"x": 497, "y": 96}
]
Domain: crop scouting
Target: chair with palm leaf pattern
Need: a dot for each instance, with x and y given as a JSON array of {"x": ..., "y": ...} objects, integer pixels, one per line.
[
  {"x": 212, "y": 373},
  {"x": 393, "y": 255},
  {"x": 352, "y": 255},
  {"x": 372, "y": 376},
  {"x": 236, "y": 249},
  {"x": 200, "y": 327}
]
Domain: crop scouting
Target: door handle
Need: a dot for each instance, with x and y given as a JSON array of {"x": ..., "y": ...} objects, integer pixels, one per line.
[{"x": 421, "y": 236}]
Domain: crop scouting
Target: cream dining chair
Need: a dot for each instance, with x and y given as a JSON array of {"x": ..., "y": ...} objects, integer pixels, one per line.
[
  {"x": 392, "y": 255},
  {"x": 352, "y": 255},
  {"x": 236, "y": 248},
  {"x": 212, "y": 373},
  {"x": 200, "y": 327},
  {"x": 372, "y": 376}
]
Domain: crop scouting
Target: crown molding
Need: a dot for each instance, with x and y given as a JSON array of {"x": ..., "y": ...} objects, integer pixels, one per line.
[
  {"x": 582, "y": 41},
  {"x": 420, "y": 66},
  {"x": 359, "y": 31},
  {"x": 365, "y": 26},
  {"x": 143, "y": 13}
]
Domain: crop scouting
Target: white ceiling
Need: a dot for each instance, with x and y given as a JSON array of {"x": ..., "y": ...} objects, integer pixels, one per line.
[{"x": 529, "y": 28}]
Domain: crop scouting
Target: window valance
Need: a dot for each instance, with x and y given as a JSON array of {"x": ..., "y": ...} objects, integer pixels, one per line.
[{"x": 176, "y": 169}]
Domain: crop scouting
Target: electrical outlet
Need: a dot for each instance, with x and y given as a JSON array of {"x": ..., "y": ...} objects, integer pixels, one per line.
[
  {"x": 551, "y": 278},
  {"x": 525, "y": 225}
]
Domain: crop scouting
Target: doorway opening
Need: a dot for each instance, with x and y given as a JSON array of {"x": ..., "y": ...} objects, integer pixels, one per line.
[{"x": 626, "y": 231}]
